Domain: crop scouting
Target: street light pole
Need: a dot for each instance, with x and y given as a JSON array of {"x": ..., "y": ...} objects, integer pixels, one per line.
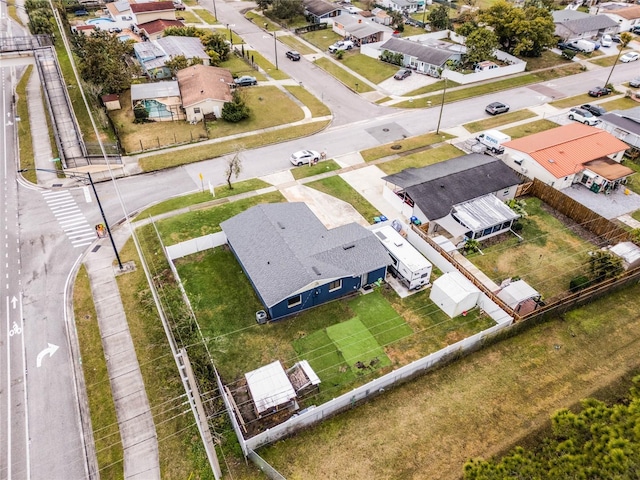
[
  {"x": 444, "y": 92},
  {"x": 95, "y": 192},
  {"x": 275, "y": 48}
]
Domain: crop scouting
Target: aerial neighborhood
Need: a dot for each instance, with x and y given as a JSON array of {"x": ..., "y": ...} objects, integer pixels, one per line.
[{"x": 333, "y": 239}]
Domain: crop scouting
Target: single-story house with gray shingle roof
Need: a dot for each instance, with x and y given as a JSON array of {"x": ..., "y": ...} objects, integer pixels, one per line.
[
  {"x": 626, "y": 15},
  {"x": 319, "y": 10},
  {"x": 154, "y": 54},
  {"x": 360, "y": 30},
  {"x": 404, "y": 6},
  {"x": 448, "y": 194},
  {"x": 294, "y": 262},
  {"x": 573, "y": 25},
  {"x": 421, "y": 58},
  {"x": 624, "y": 125}
]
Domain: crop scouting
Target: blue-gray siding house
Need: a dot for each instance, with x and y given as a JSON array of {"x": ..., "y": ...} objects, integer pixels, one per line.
[{"x": 294, "y": 262}]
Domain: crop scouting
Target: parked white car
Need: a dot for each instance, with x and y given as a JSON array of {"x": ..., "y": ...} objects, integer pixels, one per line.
[
  {"x": 583, "y": 116},
  {"x": 304, "y": 156},
  {"x": 606, "y": 41},
  {"x": 630, "y": 57}
]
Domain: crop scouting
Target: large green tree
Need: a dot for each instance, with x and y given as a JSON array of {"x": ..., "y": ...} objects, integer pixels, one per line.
[
  {"x": 180, "y": 62},
  {"x": 522, "y": 31},
  {"x": 104, "y": 61},
  {"x": 481, "y": 43},
  {"x": 287, "y": 9},
  {"x": 599, "y": 442},
  {"x": 439, "y": 18}
]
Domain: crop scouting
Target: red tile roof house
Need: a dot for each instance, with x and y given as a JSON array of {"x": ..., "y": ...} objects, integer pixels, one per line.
[
  {"x": 147, "y": 12},
  {"x": 573, "y": 153},
  {"x": 155, "y": 28},
  {"x": 204, "y": 90}
]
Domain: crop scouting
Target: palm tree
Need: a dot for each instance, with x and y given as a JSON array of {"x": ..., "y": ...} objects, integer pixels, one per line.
[{"x": 625, "y": 38}]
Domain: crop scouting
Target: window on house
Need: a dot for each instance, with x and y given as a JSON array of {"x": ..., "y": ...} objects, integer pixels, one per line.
[
  {"x": 505, "y": 193},
  {"x": 196, "y": 110},
  {"x": 336, "y": 285},
  {"x": 294, "y": 301}
]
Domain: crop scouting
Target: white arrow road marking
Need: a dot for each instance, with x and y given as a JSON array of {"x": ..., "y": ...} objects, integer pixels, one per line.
[
  {"x": 51, "y": 349},
  {"x": 14, "y": 300}
]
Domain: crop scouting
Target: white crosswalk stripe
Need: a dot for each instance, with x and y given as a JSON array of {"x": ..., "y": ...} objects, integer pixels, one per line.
[{"x": 70, "y": 217}]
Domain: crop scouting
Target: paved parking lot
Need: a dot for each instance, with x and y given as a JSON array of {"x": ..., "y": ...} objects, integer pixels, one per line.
[{"x": 610, "y": 205}]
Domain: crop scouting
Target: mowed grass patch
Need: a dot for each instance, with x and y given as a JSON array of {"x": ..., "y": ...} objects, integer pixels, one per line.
[
  {"x": 621, "y": 103},
  {"x": 548, "y": 59},
  {"x": 268, "y": 67},
  {"x": 421, "y": 159},
  {"x": 205, "y": 15},
  {"x": 376, "y": 313},
  {"x": 27, "y": 159},
  {"x": 498, "y": 120},
  {"x": 295, "y": 44},
  {"x": 530, "y": 128},
  {"x": 199, "y": 198},
  {"x": 604, "y": 61},
  {"x": 372, "y": 69},
  {"x": 262, "y": 21},
  {"x": 342, "y": 75},
  {"x": 494, "y": 399},
  {"x": 322, "y": 39},
  {"x": 356, "y": 344},
  {"x": 337, "y": 187},
  {"x": 325, "y": 359},
  {"x": 205, "y": 221},
  {"x": 239, "y": 67},
  {"x": 317, "y": 108},
  {"x": 189, "y": 17},
  {"x": 547, "y": 259},
  {"x": 433, "y": 87},
  {"x": 198, "y": 153},
  {"x": 104, "y": 421},
  {"x": 573, "y": 101},
  {"x": 306, "y": 171},
  {"x": 404, "y": 145}
]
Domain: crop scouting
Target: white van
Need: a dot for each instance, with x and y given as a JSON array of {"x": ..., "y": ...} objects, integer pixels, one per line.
[
  {"x": 584, "y": 45},
  {"x": 493, "y": 140}
]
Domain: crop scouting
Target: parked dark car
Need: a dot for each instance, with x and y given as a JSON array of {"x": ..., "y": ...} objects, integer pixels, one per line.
[
  {"x": 81, "y": 13},
  {"x": 245, "y": 81},
  {"x": 599, "y": 92},
  {"x": 496, "y": 108},
  {"x": 636, "y": 29},
  {"x": 597, "y": 110},
  {"x": 616, "y": 39},
  {"x": 293, "y": 55},
  {"x": 402, "y": 74}
]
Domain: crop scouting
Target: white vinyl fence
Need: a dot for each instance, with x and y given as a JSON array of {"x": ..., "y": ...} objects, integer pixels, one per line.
[{"x": 196, "y": 245}]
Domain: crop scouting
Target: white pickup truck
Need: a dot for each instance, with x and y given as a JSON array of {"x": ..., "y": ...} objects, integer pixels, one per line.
[{"x": 341, "y": 45}]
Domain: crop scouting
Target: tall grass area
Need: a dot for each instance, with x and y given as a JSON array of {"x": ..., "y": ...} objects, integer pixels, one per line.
[
  {"x": 25, "y": 140},
  {"x": 104, "y": 421}
]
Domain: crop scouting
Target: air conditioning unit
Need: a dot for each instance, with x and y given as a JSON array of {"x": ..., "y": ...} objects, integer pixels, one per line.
[{"x": 261, "y": 317}]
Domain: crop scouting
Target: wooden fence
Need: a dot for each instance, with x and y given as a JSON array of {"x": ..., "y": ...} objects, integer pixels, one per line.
[{"x": 586, "y": 218}]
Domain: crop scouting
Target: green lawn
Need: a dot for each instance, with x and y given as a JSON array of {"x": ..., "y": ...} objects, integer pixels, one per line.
[
  {"x": 421, "y": 159},
  {"x": 530, "y": 128},
  {"x": 189, "y": 17},
  {"x": 306, "y": 171},
  {"x": 372, "y": 69},
  {"x": 205, "y": 221},
  {"x": 200, "y": 198},
  {"x": 268, "y": 67},
  {"x": 498, "y": 120},
  {"x": 315, "y": 105},
  {"x": 404, "y": 145},
  {"x": 619, "y": 104},
  {"x": 337, "y": 187},
  {"x": 322, "y": 39},
  {"x": 261, "y": 20},
  {"x": 341, "y": 74},
  {"x": 295, "y": 44},
  {"x": 548, "y": 258},
  {"x": 356, "y": 344},
  {"x": 573, "y": 101},
  {"x": 604, "y": 61},
  {"x": 205, "y": 15},
  {"x": 204, "y": 152},
  {"x": 434, "y": 87}
]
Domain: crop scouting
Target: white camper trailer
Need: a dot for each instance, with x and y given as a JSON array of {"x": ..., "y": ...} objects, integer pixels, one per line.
[{"x": 408, "y": 264}]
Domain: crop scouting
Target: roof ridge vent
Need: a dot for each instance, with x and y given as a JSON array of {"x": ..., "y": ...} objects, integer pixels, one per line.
[
  {"x": 280, "y": 225},
  {"x": 347, "y": 247},
  {"x": 315, "y": 269}
]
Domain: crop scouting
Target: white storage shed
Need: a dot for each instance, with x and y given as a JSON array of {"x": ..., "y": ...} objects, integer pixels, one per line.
[
  {"x": 454, "y": 294},
  {"x": 270, "y": 388},
  {"x": 516, "y": 293}
]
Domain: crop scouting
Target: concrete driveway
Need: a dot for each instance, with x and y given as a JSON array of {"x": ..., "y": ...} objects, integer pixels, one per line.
[{"x": 392, "y": 86}]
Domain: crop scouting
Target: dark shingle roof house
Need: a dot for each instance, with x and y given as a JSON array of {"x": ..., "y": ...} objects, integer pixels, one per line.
[
  {"x": 423, "y": 53},
  {"x": 294, "y": 262},
  {"x": 436, "y": 188}
]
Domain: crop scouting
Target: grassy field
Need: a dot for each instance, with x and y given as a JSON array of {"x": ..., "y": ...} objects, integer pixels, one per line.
[
  {"x": 530, "y": 128},
  {"x": 205, "y": 221},
  {"x": 269, "y": 107},
  {"x": 491, "y": 87},
  {"x": 200, "y": 198},
  {"x": 604, "y": 61},
  {"x": 204, "y": 152},
  {"x": 548, "y": 258},
  {"x": 479, "y": 406},
  {"x": 294, "y": 44},
  {"x": 498, "y": 120},
  {"x": 306, "y": 171},
  {"x": 205, "y": 15},
  {"x": 268, "y": 67},
  {"x": 619, "y": 104},
  {"x": 341, "y": 74},
  {"x": 572, "y": 101},
  {"x": 337, "y": 187},
  {"x": 404, "y": 145},
  {"x": 370, "y": 68},
  {"x": 25, "y": 140},
  {"x": 434, "y": 87},
  {"x": 322, "y": 38},
  {"x": 189, "y": 17},
  {"x": 421, "y": 159},
  {"x": 261, "y": 20},
  {"x": 94, "y": 366},
  {"x": 317, "y": 108}
]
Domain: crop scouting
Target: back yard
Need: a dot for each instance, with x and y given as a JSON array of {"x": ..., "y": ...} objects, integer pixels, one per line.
[{"x": 549, "y": 256}]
